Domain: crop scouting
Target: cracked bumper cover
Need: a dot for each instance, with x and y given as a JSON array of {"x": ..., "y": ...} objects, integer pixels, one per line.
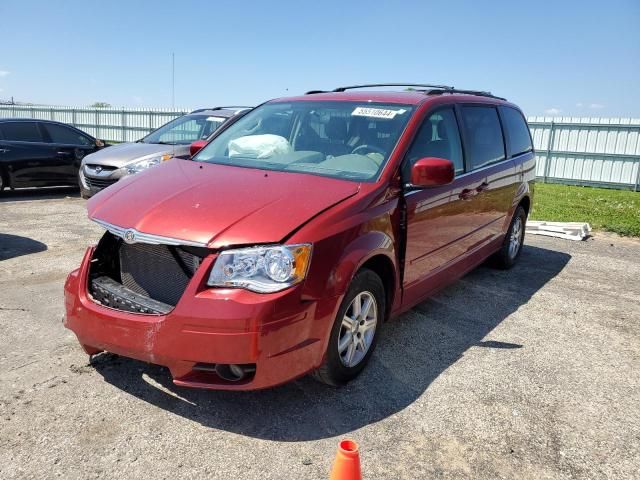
[{"x": 284, "y": 335}]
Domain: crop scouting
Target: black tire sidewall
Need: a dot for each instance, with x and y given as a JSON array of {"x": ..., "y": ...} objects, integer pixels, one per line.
[
  {"x": 505, "y": 261},
  {"x": 365, "y": 280}
]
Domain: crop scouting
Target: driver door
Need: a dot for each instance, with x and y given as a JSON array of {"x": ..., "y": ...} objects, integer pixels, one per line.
[{"x": 443, "y": 223}]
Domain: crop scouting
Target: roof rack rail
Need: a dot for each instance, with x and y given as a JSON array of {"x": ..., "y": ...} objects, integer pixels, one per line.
[
  {"x": 232, "y": 107},
  {"x": 432, "y": 89},
  {"x": 422, "y": 85},
  {"x": 478, "y": 93}
]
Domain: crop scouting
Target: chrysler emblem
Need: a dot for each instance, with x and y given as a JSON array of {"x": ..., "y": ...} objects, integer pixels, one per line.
[
  {"x": 130, "y": 236},
  {"x": 98, "y": 169}
]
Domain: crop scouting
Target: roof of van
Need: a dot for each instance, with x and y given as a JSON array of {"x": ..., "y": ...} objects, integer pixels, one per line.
[
  {"x": 406, "y": 97},
  {"x": 411, "y": 94}
]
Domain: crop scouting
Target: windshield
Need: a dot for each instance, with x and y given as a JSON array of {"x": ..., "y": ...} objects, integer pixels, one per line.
[
  {"x": 185, "y": 130},
  {"x": 350, "y": 140}
]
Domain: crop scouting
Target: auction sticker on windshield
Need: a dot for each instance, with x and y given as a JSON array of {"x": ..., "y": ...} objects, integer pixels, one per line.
[{"x": 376, "y": 112}]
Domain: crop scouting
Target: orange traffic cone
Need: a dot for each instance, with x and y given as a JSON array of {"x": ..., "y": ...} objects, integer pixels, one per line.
[{"x": 346, "y": 466}]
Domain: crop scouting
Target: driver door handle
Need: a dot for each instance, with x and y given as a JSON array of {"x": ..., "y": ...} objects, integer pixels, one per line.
[
  {"x": 64, "y": 154},
  {"x": 4, "y": 150}
]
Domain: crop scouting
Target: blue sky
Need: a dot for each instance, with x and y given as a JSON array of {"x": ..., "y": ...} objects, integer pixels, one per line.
[{"x": 562, "y": 57}]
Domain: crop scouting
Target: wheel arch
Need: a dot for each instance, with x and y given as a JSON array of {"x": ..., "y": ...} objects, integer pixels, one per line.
[
  {"x": 382, "y": 266},
  {"x": 525, "y": 203},
  {"x": 4, "y": 176}
]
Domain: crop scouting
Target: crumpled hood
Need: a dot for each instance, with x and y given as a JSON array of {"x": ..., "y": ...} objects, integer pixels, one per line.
[
  {"x": 124, "y": 153},
  {"x": 217, "y": 205}
]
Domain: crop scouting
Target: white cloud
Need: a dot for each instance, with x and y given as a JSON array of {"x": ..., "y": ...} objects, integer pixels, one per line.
[
  {"x": 553, "y": 111},
  {"x": 579, "y": 104},
  {"x": 596, "y": 106},
  {"x": 4, "y": 73},
  {"x": 137, "y": 100}
]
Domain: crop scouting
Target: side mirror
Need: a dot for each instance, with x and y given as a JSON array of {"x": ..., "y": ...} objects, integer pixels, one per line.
[
  {"x": 197, "y": 146},
  {"x": 99, "y": 143},
  {"x": 432, "y": 172}
]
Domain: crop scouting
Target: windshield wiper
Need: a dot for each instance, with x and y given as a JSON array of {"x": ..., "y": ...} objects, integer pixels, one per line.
[{"x": 165, "y": 143}]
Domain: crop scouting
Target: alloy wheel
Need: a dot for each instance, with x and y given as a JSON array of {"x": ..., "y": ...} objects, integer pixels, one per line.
[
  {"x": 515, "y": 241},
  {"x": 358, "y": 329}
]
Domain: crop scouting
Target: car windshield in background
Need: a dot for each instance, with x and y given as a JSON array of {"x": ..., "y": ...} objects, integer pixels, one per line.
[
  {"x": 185, "y": 130},
  {"x": 350, "y": 140}
]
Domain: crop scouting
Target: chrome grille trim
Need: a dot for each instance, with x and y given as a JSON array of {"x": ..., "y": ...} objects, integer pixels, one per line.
[{"x": 141, "y": 237}]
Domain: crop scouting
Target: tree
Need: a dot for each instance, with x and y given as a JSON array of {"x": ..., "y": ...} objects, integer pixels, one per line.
[{"x": 100, "y": 105}]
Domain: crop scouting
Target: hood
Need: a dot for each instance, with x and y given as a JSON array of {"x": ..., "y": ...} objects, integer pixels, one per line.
[
  {"x": 123, "y": 153},
  {"x": 217, "y": 205}
]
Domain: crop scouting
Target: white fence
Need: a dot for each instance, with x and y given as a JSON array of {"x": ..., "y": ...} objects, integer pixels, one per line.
[
  {"x": 579, "y": 151},
  {"x": 111, "y": 124},
  {"x": 588, "y": 151}
]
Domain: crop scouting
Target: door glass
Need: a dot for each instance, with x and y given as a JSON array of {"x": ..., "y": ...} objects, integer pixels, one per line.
[
  {"x": 21, "y": 131},
  {"x": 438, "y": 137},
  {"x": 483, "y": 136},
  {"x": 66, "y": 135},
  {"x": 517, "y": 131}
]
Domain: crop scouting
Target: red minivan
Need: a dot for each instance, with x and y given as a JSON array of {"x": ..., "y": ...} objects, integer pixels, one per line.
[{"x": 281, "y": 247}]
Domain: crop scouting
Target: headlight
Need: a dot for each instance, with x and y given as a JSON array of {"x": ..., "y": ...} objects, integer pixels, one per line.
[
  {"x": 145, "y": 163},
  {"x": 261, "y": 269}
]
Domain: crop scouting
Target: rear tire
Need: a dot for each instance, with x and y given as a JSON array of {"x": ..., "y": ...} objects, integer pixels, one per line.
[
  {"x": 3, "y": 181},
  {"x": 355, "y": 331},
  {"x": 508, "y": 255}
]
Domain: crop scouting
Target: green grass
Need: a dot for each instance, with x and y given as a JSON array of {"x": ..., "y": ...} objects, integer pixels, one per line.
[{"x": 611, "y": 210}]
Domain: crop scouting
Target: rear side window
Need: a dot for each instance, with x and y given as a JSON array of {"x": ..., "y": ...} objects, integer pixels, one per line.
[
  {"x": 438, "y": 137},
  {"x": 519, "y": 140},
  {"x": 483, "y": 136},
  {"x": 66, "y": 135},
  {"x": 21, "y": 131}
]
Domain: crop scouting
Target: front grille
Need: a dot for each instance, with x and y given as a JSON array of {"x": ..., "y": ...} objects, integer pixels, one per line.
[
  {"x": 159, "y": 272},
  {"x": 99, "y": 183}
]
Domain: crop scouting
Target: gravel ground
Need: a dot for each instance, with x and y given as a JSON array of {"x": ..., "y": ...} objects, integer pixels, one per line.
[{"x": 531, "y": 373}]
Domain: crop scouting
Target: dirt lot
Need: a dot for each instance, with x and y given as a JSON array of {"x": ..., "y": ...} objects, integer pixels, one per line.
[{"x": 531, "y": 373}]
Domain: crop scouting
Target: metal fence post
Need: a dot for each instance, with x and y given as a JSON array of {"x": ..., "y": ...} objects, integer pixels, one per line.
[
  {"x": 97, "y": 117},
  {"x": 123, "y": 121},
  {"x": 637, "y": 185},
  {"x": 73, "y": 117},
  {"x": 549, "y": 146}
]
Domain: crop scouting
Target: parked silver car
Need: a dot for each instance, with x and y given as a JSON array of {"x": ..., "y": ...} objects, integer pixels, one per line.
[{"x": 105, "y": 167}]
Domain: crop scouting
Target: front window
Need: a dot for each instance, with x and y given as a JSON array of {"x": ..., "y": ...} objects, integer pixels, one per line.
[
  {"x": 350, "y": 140},
  {"x": 185, "y": 130}
]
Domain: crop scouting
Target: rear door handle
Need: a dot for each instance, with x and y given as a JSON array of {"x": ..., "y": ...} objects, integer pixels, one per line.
[
  {"x": 64, "y": 154},
  {"x": 4, "y": 150}
]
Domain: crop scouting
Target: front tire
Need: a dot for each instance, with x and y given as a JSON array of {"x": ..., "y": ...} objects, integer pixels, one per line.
[
  {"x": 508, "y": 255},
  {"x": 355, "y": 331}
]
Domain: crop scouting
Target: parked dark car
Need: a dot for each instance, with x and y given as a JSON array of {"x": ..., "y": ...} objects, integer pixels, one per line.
[
  {"x": 172, "y": 140},
  {"x": 42, "y": 153}
]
